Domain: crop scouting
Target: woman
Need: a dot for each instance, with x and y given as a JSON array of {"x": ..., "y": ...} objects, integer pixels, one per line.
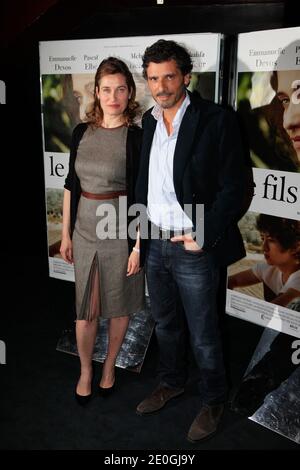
[
  {"x": 280, "y": 273},
  {"x": 103, "y": 168}
]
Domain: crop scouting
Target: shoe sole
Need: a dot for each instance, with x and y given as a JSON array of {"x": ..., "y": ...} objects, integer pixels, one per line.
[
  {"x": 83, "y": 400},
  {"x": 203, "y": 439},
  {"x": 148, "y": 413},
  {"x": 209, "y": 436}
]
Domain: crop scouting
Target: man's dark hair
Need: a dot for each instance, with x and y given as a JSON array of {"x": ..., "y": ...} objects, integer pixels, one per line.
[{"x": 164, "y": 51}]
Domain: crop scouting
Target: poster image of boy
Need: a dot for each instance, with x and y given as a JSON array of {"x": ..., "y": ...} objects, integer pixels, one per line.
[
  {"x": 279, "y": 273},
  {"x": 278, "y": 276}
]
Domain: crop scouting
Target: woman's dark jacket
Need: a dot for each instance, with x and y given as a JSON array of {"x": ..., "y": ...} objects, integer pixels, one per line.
[{"x": 72, "y": 183}]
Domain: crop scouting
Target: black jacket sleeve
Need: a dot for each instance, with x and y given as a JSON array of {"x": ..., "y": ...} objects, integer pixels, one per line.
[
  {"x": 72, "y": 182},
  {"x": 231, "y": 173},
  {"x": 75, "y": 139}
]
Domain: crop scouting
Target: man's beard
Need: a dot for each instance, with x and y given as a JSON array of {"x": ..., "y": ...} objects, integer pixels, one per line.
[{"x": 173, "y": 99}]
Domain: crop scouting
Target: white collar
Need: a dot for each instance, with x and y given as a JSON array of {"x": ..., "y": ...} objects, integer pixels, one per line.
[{"x": 157, "y": 111}]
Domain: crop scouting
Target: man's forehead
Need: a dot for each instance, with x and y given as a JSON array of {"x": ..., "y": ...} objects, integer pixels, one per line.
[{"x": 169, "y": 66}]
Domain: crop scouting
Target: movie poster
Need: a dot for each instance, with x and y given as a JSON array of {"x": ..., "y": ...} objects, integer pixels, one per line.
[
  {"x": 67, "y": 85},
  {"x": 264, "y": 287}
]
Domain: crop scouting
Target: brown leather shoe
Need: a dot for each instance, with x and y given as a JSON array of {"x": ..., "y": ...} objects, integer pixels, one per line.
[
  {"x": 206, "y": 422},
  {"x": 157, "y": 400}
]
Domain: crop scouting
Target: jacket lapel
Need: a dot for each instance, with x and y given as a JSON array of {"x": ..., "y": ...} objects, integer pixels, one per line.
[
  {"x": 184, "y": 144},
  {"x": 149, "y": 126},
  {"x": 192, "y": 120}
]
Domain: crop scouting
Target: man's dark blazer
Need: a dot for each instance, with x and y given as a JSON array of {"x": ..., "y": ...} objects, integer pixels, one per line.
[{"x": 209, "y": 168}]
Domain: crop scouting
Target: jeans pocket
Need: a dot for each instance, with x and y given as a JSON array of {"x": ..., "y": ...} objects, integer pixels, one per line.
[{"x": 189, "y": 252}]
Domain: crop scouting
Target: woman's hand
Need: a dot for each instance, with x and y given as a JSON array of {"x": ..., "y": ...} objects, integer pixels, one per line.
[
  {"x": 133, "y": 266},
  {"x": 66, "y": 250}
]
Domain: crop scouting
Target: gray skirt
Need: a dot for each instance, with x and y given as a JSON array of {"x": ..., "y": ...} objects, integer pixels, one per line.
[{"x": 102, "y": 287}]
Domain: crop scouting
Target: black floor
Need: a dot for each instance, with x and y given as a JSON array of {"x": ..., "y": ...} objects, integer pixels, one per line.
[{"x": 37, "y": 384}]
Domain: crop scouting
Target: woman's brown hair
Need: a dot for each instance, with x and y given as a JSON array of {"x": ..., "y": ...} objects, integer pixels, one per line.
[{"x": 111, "y": 66}]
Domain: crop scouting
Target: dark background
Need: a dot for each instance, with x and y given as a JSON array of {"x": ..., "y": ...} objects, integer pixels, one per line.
[{"x": 37, "y": 409}]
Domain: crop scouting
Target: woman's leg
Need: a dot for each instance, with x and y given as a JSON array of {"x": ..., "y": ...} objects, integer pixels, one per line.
[
  {"x": 86, "y": 331},
  {"x": 117, "y": 330},
  {"x": 86, "y": 336}
]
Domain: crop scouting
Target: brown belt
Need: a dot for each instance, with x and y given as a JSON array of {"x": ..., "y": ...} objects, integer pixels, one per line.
[{"x": 99, "y": 197}]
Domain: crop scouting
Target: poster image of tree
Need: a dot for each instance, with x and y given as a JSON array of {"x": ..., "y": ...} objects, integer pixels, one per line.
[
  {"x": 54, "y": 219},
  {"x": 65, "y": 99}
]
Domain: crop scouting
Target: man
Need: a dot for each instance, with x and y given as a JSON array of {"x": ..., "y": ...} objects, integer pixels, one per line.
[{"x": 191, "y": 154}]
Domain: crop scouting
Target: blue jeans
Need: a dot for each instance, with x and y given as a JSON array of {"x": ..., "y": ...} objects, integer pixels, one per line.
[{"x": 183, "y": 289}]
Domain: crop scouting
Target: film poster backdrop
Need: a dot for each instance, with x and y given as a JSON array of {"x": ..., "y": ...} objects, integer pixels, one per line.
[
  {"x": 264, "y": 288},
  {"x": 268, "y": 102},
  {"x": 67, "y": 70}
]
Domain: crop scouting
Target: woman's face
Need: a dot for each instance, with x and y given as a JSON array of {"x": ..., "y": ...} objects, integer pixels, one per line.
[
  {"x": 83, "y": 90},
  {"x": 274, "y": 253},
  {"x": 289, "y": 95},
  {"x": 113, "y": 94}
]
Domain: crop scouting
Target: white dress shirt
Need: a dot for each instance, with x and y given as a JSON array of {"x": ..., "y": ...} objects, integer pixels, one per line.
[{"x": 163, "y": 207}]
